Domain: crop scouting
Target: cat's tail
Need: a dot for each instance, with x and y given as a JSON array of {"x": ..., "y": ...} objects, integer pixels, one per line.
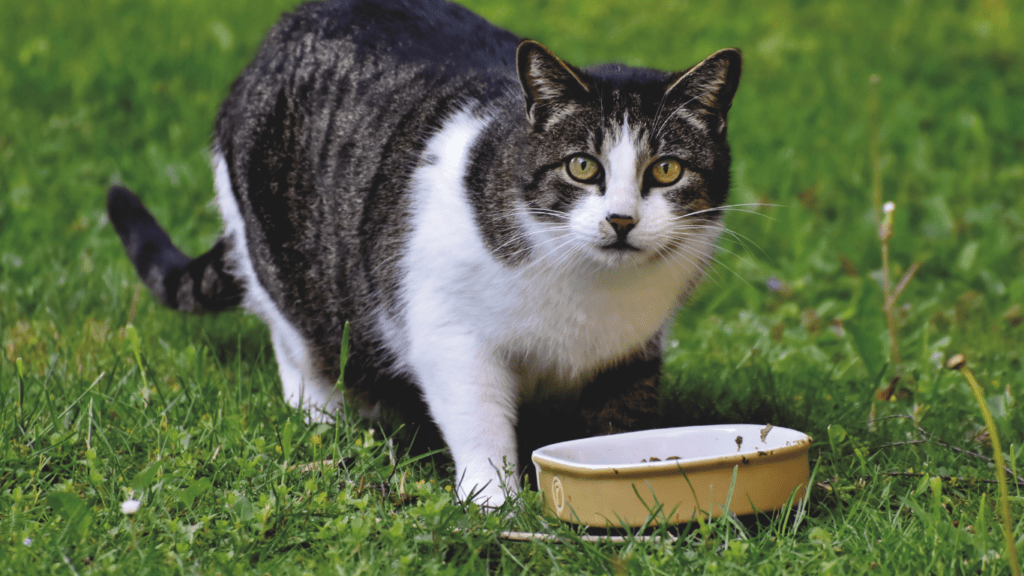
[{"x": 188, "y": 284}]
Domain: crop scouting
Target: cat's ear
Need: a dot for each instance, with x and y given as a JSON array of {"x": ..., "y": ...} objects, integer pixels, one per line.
[
  {"x": 709, "y": 86},
  {"x": 548, "y": 82}
]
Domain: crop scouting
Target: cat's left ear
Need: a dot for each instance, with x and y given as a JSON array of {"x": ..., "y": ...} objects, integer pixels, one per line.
[
  {"x": 548, "y": 82},
  {"x": 710, "y": 85}
]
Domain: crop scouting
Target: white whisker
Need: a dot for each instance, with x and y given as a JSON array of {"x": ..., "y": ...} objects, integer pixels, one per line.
[
  {"x": 694, "y": 240},
  {"x": 732, "y": 208}
]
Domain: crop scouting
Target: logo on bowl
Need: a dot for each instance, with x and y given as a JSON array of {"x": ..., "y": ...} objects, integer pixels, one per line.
[{"x": 557, "y": 494}]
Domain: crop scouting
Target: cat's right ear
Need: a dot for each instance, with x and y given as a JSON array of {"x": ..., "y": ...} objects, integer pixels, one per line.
[{"x": 548, "y": 82}]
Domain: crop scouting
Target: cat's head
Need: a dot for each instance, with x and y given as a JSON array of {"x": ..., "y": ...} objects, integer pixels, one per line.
[{"x": 627, "y": 165}]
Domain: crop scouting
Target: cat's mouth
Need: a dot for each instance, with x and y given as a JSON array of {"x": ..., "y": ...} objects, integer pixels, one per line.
[{"x": 620, "y": 246}]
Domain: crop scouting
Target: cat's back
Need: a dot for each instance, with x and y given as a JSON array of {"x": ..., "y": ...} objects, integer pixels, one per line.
[
  {"x": 368, "y": 63},
  {"x": 365, "y": 37},
  {"x": 429, "y": 32},
  {"x": 363, "y": 68}
]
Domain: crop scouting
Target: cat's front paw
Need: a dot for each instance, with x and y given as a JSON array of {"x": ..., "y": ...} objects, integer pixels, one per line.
[
  {"x": 488, "y": 499},
  {"x": 489, "y": 490}
]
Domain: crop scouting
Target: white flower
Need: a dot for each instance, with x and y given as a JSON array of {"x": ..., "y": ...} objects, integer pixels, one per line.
[
  {"x": 130, "y": 506},
  {"x": 27, "y": 541},
  {"x": 888, "y": 207}
]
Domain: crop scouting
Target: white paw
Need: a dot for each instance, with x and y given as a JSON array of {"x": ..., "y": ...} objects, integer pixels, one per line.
[{"x": 490, "y": 486}]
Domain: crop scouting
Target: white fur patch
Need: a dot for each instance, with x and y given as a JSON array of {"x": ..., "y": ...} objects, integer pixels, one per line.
[
  {"x": 622, "y": 192},
  {"x": 303, "y": 387},
  {"x": 470, "y": 392}
]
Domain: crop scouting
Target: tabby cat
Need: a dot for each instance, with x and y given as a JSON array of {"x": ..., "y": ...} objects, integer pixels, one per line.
[{"x": 497, "y": 225}]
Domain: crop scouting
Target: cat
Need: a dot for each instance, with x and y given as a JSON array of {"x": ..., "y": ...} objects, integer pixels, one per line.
[{"x": 496, "y": 225}]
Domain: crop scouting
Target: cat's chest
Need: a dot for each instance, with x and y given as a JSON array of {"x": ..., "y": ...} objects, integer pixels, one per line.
[
  {"x": 558, "y": 328},
  {"x": 561, "y": 325},
  {"x": 587, "y": 318},
  {"x": 563, "y": 329}
]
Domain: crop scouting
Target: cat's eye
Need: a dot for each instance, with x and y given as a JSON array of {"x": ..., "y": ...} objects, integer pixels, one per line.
[
  {"x": 583, "y": 168},
  {"x": 665, "y": 171}
]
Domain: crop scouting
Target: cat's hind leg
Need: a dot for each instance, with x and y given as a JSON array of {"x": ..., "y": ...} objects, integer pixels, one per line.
[{"x": 304, "y": 387}]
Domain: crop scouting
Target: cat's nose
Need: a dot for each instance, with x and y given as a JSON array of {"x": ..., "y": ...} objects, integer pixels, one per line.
[{"x": 622, "y": 224}]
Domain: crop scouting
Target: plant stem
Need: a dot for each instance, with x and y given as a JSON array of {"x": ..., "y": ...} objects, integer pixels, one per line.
[
  {"x": 889, "y": 297},
  {"x": 890, "y": 317},
  {"x": 957, "y": 362}
]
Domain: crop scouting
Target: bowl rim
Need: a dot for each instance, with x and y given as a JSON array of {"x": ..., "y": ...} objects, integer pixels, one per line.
[{"x": 793, "y": 448}]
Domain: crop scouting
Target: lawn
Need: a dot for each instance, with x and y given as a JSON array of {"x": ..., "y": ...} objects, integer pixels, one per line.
[{"x": 105, "y": 397}]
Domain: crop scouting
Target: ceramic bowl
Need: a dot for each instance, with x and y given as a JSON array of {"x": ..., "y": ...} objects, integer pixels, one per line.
[{"x": 673, "y": 474}]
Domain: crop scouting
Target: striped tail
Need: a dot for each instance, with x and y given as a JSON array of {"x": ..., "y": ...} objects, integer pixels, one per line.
[{"x": 188, "y": 284}]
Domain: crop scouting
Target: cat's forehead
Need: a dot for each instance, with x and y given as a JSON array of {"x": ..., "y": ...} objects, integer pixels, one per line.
[
  {"x": 631, "y": 93},
  {"x": 630, "y": 103}
]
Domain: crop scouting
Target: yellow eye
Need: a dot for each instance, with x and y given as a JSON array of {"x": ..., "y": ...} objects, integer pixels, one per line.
[
  {"x": 583, "y": 168},
  {"x": 666, "y": 171}
]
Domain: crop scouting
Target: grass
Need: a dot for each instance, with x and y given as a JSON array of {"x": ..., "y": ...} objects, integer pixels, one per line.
[{"x": 790, "y": 328}]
